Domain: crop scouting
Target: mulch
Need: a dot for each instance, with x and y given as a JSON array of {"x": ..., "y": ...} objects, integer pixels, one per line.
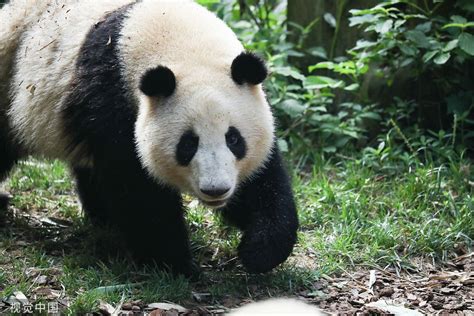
[{"x": 431, "y": 290}]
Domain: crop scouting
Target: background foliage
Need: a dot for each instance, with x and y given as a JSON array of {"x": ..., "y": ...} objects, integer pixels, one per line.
[{"x": 406, "y": 86}]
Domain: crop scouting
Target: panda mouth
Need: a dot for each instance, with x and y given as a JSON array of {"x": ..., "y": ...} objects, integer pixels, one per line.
[{"x": 214, "y": 204}]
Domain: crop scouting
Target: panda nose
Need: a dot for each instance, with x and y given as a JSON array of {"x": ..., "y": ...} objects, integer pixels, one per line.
[{"x": 215, "y": 192}]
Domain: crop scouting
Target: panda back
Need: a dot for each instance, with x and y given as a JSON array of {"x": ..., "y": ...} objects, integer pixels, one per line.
[{"x": 44, "y": 68}]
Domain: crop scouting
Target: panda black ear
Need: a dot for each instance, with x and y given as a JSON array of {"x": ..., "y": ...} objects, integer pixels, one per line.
[
  {"x": 248, "y": 68},
  {"x": 158, "y": 82}
]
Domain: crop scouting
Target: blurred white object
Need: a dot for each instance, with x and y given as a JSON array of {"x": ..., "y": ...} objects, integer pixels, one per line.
[{"x": 279, "y": 306}]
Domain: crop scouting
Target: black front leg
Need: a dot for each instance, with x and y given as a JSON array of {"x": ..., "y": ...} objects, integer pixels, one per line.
[
  {"x": 265, "y": 210},
  {"x": 87, "y": 186},
  {"x": 8, "y": 157},
  {"x": 149, "y": 216}
]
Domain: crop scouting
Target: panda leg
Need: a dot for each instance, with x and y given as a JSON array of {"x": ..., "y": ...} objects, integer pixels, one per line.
[
  {"x": 265, "y": 210},
  {"x": 8, "y": 158},
  {"x": 92, "y": 202},
  {"x": 149, "y": 217}
]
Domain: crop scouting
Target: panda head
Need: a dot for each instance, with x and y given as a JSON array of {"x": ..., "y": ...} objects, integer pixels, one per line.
[{"x": 206, "y": 131}]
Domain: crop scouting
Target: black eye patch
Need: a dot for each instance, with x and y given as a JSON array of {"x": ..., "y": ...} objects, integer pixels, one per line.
[
  {"x": 236, "y": 143},
  {"x": 187, "y": 148}
]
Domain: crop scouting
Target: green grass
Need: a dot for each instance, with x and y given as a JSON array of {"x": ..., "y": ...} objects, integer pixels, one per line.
[
  {"x": 351, "y": 213},
  {"x": 354, "y": 214}
]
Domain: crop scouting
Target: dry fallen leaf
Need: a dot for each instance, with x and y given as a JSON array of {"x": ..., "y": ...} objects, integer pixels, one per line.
[
  {"x": 447, "y": 290},
  {"x": 393, "y": 309},
  {"x": 17, "y": 297},
  {"x": 106, "y": 308},
  {"x": 201, "y": 297},
  {"x": 41, "y": 280},
  {"x": 47, "y": 293},
  {"x": 372, "y": 280},
  {"x": 167, "y": 307}
]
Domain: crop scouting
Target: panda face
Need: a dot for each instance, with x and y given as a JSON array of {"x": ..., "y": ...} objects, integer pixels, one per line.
[{"x": 206, "y": 136}]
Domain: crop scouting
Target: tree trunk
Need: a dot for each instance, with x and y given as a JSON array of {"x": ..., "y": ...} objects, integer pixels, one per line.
[{"x": 335, "y": 39}]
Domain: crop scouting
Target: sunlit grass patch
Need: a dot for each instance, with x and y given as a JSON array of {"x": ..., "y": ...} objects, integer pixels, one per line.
[{"x": 361, "y": 215}]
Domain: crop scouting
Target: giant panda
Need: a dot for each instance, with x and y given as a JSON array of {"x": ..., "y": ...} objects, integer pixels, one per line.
[{"x": 145, "y": 100}]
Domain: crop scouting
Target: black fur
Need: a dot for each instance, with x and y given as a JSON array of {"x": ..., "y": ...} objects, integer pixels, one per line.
[
  {"x": 248, "y": 68},
  {"x": 4, "y": 199},
  {"x": 265, "y": 210},
  {"x": 187, "y": 148},
  {"x": 9, "y": 154},
  {"x": 236, "y": 143},
  {"x": 100, "y": 117},
  {"x": 158, "y": 82}
]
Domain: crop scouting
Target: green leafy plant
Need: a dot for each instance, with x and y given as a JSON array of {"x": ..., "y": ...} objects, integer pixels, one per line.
[{"x": 305, "y": 105}]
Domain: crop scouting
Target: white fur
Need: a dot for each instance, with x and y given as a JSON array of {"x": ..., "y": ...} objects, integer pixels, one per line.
[
  {"x": 282, "y": 307},
  {"x": 181, "y": 35},
  {"x": 45, "y": 62}
]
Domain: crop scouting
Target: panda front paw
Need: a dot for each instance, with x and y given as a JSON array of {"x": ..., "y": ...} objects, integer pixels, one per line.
[
  {"x": 266, "y": 245},
  {"x": 190, "y": 270}
]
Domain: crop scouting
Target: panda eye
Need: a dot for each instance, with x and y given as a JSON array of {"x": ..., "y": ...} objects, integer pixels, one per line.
[
  {"x": 236, "y": 142},
  {"x": 187, "y": 148},
  {"x": 232, "y": 140}
]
